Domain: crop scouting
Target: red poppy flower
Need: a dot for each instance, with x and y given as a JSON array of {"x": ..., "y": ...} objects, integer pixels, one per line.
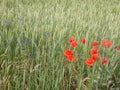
[
  {"x": 118, "y": 47},
  {"x": 71, "y": 39},
  {"x": 73, "y": 44},
  {"x": 89, "y": 62},
  {"x": 71, "y": 57},
  {"x": 103, "y": 60},
  {"x": 94, "y": 56},
  {"x": 95, "y": 50},
  {"x": 95, "y": 43},
  {"x": 83, "y": 40},
  {"x": 106, "y": 43},
  {"x": 68, "y": 52}
]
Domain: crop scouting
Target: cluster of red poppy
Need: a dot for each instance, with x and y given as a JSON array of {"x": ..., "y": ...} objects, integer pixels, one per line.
[
  {"x": 95, "y": 55},
  {"x": 94, "y": 51},
  {"x": 72, "y": 41},
  {"x": 106, "y": 43},
  {"x": 69, "y": 53}
]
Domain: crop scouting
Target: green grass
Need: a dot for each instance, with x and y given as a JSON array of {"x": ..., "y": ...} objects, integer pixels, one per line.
[{"x": 35, "y": 33}]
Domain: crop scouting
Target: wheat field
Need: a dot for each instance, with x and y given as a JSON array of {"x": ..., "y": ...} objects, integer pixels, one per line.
[{"x": 34, "y": 35}]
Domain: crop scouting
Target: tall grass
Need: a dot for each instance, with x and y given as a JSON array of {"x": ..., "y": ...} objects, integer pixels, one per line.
[{"x": 35, "y": 33}]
